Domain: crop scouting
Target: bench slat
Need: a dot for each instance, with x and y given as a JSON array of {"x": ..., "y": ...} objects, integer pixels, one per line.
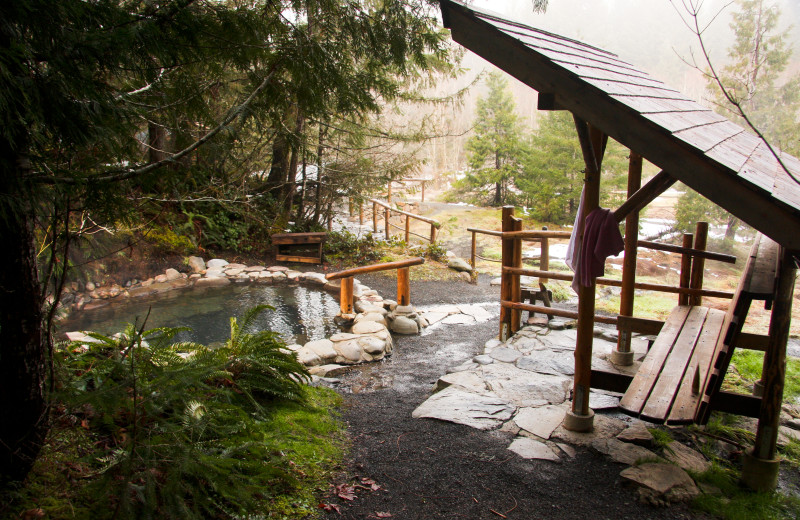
[
  {"x": 638, "y": 392},
  {"x": 675, "y": 367},
  {"x": 686, "y": 399}
]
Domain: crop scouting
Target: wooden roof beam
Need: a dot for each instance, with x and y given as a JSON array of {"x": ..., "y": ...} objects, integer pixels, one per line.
[
  {"x": 645, "y": 195},
  {"x": 547, "y": 101}
]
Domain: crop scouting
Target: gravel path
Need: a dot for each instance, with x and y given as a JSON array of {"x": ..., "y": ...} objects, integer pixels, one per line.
[{"x": 431, "y": 469}]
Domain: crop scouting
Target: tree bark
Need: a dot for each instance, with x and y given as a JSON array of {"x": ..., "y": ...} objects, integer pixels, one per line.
[
  {"x": 23, "y": 342},
  {"x": 733, "y": 225}
]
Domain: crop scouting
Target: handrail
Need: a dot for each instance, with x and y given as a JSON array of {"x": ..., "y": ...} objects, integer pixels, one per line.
[
  {"x": 533, "y": 234},
  {"x": 386, "y": 266},
  {"x": 698, "y": 253},
  {"x": 486, "y": 232},
  {"x": 430, "y": 221}
]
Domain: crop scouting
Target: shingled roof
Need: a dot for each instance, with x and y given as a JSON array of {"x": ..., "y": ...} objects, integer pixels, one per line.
[{"x": 717, "y": 158}]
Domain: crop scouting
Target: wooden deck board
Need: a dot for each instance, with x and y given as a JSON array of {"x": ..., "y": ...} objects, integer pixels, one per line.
[{"x": 675, "y": 366}]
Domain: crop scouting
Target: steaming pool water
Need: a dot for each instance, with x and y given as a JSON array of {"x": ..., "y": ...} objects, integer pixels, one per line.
[{"x": 301, "y": 313}]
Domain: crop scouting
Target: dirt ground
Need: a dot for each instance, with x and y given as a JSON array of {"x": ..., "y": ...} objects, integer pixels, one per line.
[{"x": 404, "y": 468}]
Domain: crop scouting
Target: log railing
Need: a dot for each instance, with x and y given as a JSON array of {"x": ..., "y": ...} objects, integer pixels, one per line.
[
  {"x": 689, "y": 289},
  {"x": 388, "y": 210},
  {"x": 533, "y": 236},
  {"x": 403, "y": 286}
]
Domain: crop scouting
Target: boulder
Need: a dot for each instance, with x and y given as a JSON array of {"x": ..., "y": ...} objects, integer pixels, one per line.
[
  {"x": 459, "y": 264},
  {"x": 368, "y": 327},
  {"x": 348, "y": 352},
  {"x": 216, "y": 263},
  {"x": 277, "y": 268},
  {"x": 308, "y": 357},
  {"x": 212, "y": 282},
  {"x": 322, "y": 348},
  {"x": 315, "y": 278},
  {"x": 505, "y": 354},
  {"x": 254, "y": 269},
  {"x": 403, "y": 325},
  {"x": 172, "y": 274},
  {"x": 196, "y": 264},
  {"x": 372, "y": 345},
  {"x": 371, "y": 316}
]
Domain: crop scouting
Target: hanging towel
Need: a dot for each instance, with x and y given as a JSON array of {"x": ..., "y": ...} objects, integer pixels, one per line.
[
  {"x": 601, "y": 239},
  {"x": 574, "y": 247}
]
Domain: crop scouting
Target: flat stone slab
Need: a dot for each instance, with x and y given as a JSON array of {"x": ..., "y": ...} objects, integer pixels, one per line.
[
  {"x": 602, "y": 401},
  {"x": 434, "y": 317},
  {"x": 476, "y": 311},
  {"x": 532, "y": 449},
  {"x": 467, "y": 380},
  {"x": 517, "y": 386},
  {"x": 458, "y": 319},
  {"x": 457, "y": 406},
  {"x": 483, "y": 359},
  {"x": 447, "y": 309},
  {"x": 549, "y": 362},
  {"x": 686, "y": 457},
  {"x": 660, "y": 484},
  {"x": 637, "y": 433},
  {"x": 541, "y": 421},
  {"x": 505, "y": 354},
  {"x": 623, "y": 452},
  {"x": 604, "y": 427}
]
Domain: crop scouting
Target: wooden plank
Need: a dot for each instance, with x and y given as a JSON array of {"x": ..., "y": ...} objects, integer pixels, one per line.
[
  {"x": 639, "y": 325},
  {"x": 708, "y": 136},
  {"x": 639, "y": 391},
  {"x": 734, "y": 152},
  {"x": 553, "y": 311},
  {"x": 645, "y": 195},
  {"x": 762, "y": 279},
  {"x": 297, "y": 259},
  {"x": 675, "y": 121},
  {"x": 674, "y": 367},
  {"x": 729, "y": 402},
  {"x": 386, "y": 266},
  {"x": 708, "y": 255},
  {"x": 687, "y": 396},
  {"x": 610, "y": 381}
]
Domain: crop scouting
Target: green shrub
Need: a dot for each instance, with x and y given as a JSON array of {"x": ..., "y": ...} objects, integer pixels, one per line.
[
  {"x": 180, "y": 430},
  {"x": 167, "y": 241},
  {"x": 352, "y": 249}
]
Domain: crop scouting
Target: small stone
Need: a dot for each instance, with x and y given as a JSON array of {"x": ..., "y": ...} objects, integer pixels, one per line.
[
  {"x": 660, "y": 484},
  {"x": 236, "y": 271},
  {"x": 216, "y": 263},
  {"x": 686, "y": 457},
  {"x": 567, "y": 449},
  {"x": 491, "y": 344},
  {"x": 532, "y": 449},
  {"x": 161, "y": 278},
  {"x": 254, "y": 269},
  {"x": 90, "y": 286},
  {"x": 496, "y": 281},
  {"x": 483, "y": 359},
  {"x": 235, "y": 266},
  {"x": 315, "y": 278},
  {"x": 637, "y": 433},
  {"x": 277, "y": 268},
  {"x": 215, "y": 273},
  {"x": 371, "y": 316},
  {"x": 465, "y": 276},
  {"x": 172, "y": 274},
  {"x": 331, "y": 370},
  {"x": 623, "y": 452},
  {"x": 404, "y": 309}
]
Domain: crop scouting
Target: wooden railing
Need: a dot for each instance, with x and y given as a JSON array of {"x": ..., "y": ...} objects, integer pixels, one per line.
[
  {"x": 689, "y": 289},
  {"x": 544, "y": 245},
  {"x": 403, "y": 286},
  {"x": 387, "y": 213}
]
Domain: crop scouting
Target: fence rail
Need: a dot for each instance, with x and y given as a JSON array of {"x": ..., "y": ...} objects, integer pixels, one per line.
[{"x": 403, "y": 285}]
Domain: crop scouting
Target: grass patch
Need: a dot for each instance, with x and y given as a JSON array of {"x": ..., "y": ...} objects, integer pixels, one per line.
[
  {"x": 648, "y": 304},
  {"x": 661, "y": 438},
  {"x": 746, "y": 368}
]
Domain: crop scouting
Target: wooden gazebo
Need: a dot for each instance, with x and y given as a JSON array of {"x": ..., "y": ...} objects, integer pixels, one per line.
[{"x": 680, "y": 379}]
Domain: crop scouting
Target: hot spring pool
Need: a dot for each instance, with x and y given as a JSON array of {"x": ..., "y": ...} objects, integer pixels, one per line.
[{"x": 301, "y": 313}]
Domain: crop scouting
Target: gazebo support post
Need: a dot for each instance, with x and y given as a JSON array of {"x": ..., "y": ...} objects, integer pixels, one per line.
[
  {"x": 760, "y": 465},
  {"x": 623, "y": 355},
  {"x": 581, "y": 417}
]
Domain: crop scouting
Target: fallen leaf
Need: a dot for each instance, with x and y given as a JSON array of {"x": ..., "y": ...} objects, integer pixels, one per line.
[
  {"x": 33, "y": 514},
  {"x": 371, "y": 483},
  {"x": 330, "y": 507},
  {"x": 85, "y": 424},
  {"x": 381, "y": 514},
  {"x": 345, "y": 492}
]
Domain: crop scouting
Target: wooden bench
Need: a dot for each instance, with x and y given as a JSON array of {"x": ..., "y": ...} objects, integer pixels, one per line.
[
  {"x": 680, "y": 378},
  {"x": 298, "y": 247}
]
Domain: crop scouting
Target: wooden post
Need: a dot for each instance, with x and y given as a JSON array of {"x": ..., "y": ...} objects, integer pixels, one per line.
[
  {"x": 386, "y": 215},
  {"x": 350, "y": 207},
  {"x": 423, "y": 191},
  {"x": 544, "y": 255},
  {"x": 360, "y": 213},
  {"x": 389, "y": 193},
  {"x": 374, "y": 218},
  {"x": 346, "y": 296},
  {"x": 473, "y": 250},
  {"x": 623, "y": 355},
  {"x": 581, "y": 418},
  {"x": 698, "y": 263},
  {"x": 516, "y": 287},
  {"x": 330, "y": 222},
  {"x": 686, "y": 269},
  {"x": 506, "y": 283},
  {"x": 408, "y": 227},
  {"x": 760, "y": 467},
  {"x": 433, "y": 234},
  {"x": 403, "y": 287}
]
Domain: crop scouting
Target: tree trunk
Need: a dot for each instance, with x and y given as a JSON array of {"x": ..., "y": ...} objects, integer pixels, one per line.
[
  {"x": 291, "y": 174},
  {"x": 280, "y": 164},
  {"x": 23, "y": 343},
  {"x": 157, "y": 142},
  {"x": 733, "y": 225}
]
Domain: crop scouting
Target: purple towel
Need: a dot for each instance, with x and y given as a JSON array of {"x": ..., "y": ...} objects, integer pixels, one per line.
[{"x": 601, "y": 239}]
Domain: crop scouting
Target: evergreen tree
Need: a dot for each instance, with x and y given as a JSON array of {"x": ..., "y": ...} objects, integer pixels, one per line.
[
  {"x": 754, "y": 78},
  {"x": 552, "y": 181},
  {"x": 106, "y": 101},
  {"x": 495, "y": 151}
]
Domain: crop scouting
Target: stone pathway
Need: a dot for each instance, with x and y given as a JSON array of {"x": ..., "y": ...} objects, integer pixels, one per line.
[{"x": 523, "y": 387}]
